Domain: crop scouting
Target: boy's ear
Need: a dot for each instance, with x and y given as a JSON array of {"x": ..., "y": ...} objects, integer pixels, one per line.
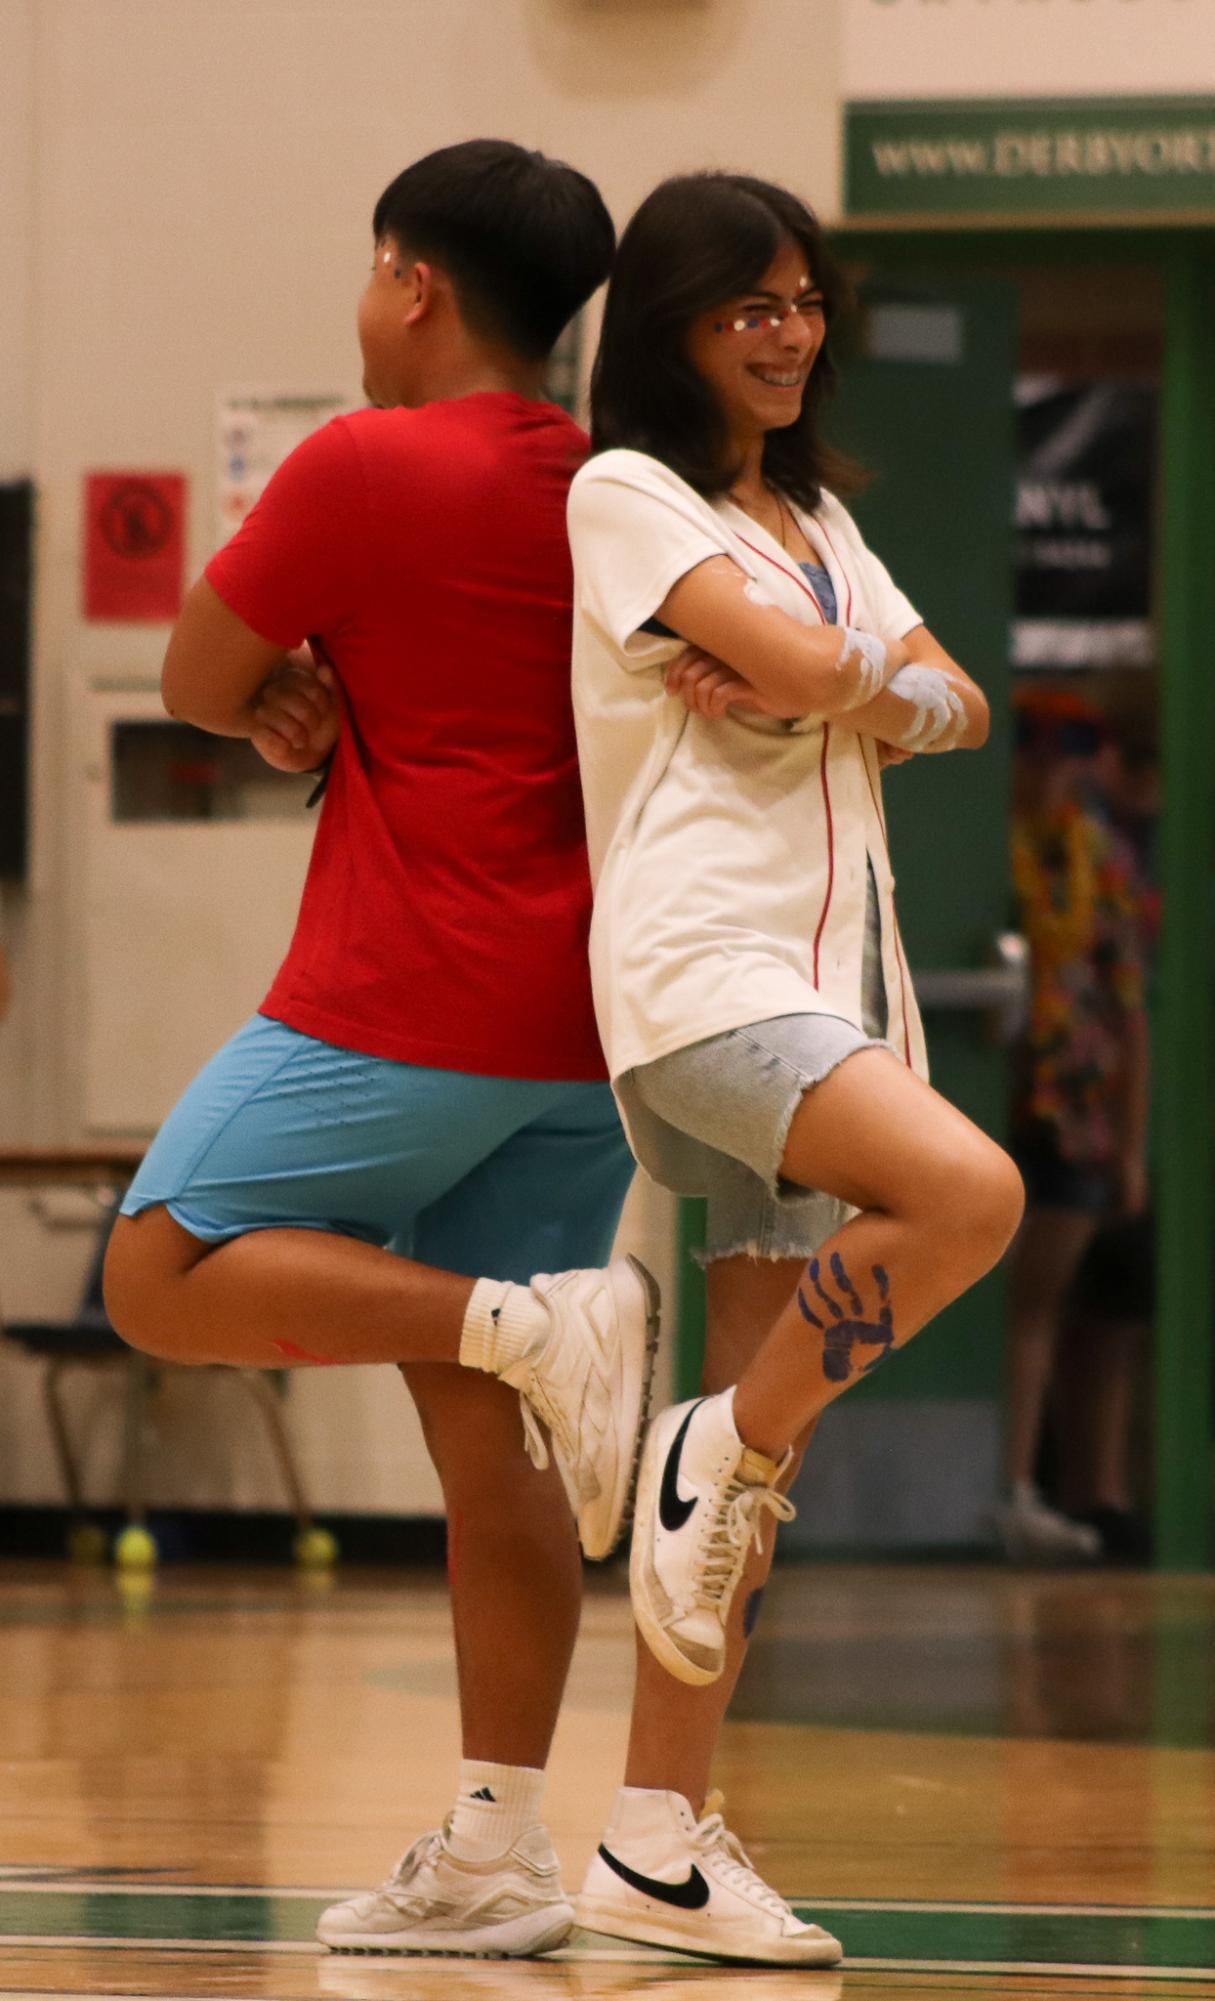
[{"x": 419, "y": 283}]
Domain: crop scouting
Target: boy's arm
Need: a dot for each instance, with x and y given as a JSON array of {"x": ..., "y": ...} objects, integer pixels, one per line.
[{"x": 215, "y": 666}]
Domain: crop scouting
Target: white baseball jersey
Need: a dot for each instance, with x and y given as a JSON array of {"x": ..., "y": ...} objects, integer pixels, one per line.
[{"x": 729, "y": 855}]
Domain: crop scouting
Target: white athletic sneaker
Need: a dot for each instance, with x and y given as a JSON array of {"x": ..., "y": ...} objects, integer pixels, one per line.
[
  {"x": 673, "y": 1880},
  {"x": 590, "y": 1384},
  {"x": 434, "y": 1902},
  {"x": 700, "y": 1506},
  {"x": 1033, "y": 1532}
]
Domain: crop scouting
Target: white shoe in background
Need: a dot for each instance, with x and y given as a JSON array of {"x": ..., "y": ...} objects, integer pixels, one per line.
[{"x": 1033, "y": 1532}]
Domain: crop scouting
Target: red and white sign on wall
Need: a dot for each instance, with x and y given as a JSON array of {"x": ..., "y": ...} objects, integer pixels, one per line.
[{"x": 134, "y": 545}]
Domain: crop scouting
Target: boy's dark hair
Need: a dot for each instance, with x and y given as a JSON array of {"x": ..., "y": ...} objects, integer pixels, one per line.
[
  {"x": 524, "y": 239},
  {"x": 698, "y": 241}
]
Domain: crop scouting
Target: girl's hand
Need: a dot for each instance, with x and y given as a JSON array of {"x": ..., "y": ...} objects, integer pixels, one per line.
[
  {"x": 297, "y": 718},
  {"x": 889, "y": 753},
  {"x": 708, "y": 688}
]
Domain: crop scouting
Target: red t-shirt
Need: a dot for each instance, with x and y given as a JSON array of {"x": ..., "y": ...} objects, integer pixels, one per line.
[{"x": 445, "y": 914}]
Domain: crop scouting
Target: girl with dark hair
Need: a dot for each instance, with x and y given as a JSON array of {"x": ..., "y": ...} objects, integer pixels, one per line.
[{"x": 751, "y": 988}]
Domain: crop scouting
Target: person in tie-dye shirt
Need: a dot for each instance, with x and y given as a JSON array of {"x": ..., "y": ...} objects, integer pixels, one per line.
[{"x": 1080, "y": 1103}]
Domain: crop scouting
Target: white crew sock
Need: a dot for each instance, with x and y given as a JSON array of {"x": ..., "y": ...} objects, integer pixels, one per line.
[
  {"x": 495, "y": 1804},
  {"x": 503, "y": 1325}
]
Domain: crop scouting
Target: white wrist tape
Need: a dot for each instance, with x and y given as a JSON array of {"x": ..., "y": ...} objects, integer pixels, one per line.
[
  {"x": 870, "y": 655},
  {"x": 937, "y": 715}
]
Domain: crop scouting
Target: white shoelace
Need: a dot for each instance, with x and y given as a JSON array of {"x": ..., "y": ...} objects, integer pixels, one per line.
[
  {"x": 533, "y": 1406},
  {"x": 712, "y": 1837},
  {"x": 735, "y": 1524},
  {"x": 533, "y": 1437},
  {"x": 422, "y": 1851}
]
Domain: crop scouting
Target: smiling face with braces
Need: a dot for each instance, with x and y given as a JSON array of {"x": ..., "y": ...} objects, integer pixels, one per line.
[{"x": 756, "y": 356}]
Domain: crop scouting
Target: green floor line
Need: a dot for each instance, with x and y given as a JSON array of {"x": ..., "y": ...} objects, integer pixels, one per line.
[{"x": 909, "y": 1934}]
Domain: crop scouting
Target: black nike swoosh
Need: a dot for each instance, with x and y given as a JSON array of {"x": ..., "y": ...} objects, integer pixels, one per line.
[
  {"x": 690, "y": 1895},
  {"x": 672, "y": 1512}
]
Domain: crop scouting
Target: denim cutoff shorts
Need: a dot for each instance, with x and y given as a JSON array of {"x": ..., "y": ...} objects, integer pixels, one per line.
[{"x": 713, "y": 1119}]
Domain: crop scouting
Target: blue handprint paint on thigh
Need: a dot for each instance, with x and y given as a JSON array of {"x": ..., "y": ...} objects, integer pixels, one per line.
[{"x": 845, "y": 1328}]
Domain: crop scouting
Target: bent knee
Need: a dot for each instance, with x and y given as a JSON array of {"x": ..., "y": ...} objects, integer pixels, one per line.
[
  {"x": 147, "y": 1256},
  {"x": 986, "y": 1203}
]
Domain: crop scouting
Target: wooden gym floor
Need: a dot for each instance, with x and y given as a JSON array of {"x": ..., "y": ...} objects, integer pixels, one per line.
[{"x": 988, "y": 1784}]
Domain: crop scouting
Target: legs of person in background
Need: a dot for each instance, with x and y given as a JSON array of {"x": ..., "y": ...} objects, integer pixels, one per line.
[
  {"x": 1048, "y": 1253},
  {"x": 1102, "y": 1359}
]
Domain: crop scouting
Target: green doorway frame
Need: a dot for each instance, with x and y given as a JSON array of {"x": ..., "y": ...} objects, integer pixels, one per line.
[{"x": 1184, "y": 1028}]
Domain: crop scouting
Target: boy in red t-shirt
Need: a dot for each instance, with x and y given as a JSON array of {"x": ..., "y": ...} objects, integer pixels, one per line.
[{"x": 422, "y": 1094}]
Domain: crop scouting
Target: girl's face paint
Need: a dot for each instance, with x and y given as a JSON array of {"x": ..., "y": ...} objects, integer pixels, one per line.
[{"x": 758, "y": 375}]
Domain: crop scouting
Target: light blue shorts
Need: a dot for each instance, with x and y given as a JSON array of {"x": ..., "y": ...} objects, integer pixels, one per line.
[{"x": 497, "y": 1177}]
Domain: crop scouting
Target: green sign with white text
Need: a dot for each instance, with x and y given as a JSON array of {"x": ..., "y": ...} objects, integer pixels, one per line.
[{"x": 1048, "y": 157}]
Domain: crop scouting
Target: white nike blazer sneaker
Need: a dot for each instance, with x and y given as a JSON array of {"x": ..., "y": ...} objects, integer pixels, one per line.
[
  {"x": 589, "y": 1382},
  {"x": 700, "y": 1505},
  {"x": 509, "y": 1908},
  {"x": 662, "y": 1877}
]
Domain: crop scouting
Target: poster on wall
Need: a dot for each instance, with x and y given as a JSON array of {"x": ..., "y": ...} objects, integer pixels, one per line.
[
  {"x": 134, "y": 545},
  {"x": 1084, "y": 524},
  {"x": 256, "y": 429}
]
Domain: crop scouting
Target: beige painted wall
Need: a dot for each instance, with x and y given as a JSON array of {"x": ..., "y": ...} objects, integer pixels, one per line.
[
  {"x": 187, "y": 190},
  {"x": 185, "y": 198}
]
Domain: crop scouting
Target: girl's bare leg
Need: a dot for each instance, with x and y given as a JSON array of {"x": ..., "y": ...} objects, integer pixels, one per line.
[
  {"x": 939, "y": 1205},
  {"x": 675, "y": 1728}
]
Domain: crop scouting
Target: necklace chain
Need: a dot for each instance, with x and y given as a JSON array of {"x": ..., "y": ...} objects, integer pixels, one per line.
[{"x": 781, "y": 511}]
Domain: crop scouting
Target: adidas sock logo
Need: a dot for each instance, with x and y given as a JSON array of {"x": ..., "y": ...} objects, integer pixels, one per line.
[{"x": 483, "y": 1793}]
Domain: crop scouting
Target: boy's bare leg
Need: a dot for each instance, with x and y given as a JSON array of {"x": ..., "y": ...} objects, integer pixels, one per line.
[
  {"x": 512, "y": 1560},
  {"x": 277, "y": 1299}
]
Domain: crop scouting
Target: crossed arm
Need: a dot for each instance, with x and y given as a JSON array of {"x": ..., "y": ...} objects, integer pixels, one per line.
[
  {"x": 222, "y": 676},
  {"x": 749, "y": 653}
]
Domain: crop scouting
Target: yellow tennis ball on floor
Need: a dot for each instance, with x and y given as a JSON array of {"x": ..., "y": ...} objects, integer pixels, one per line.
[
  {"x": 135, "y": 1549},
  {"x": 315, "y": 1549}
]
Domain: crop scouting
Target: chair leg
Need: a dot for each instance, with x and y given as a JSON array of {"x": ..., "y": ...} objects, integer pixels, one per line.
[
  {"x": 267, "y": 1402},
  {"x": 134, "y": 1497},
  {"x": 68, "y": 1468}
]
